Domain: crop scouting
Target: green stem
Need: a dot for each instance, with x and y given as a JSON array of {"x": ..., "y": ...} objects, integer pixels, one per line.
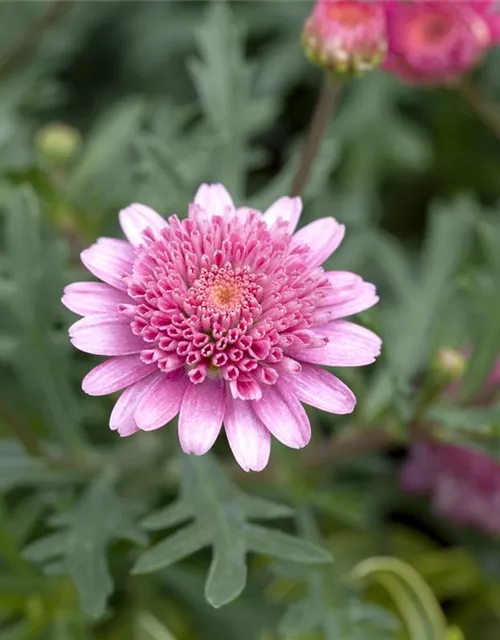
[
  {"x": 50, "y": 16},
  {"x": 324, "y": 109}
]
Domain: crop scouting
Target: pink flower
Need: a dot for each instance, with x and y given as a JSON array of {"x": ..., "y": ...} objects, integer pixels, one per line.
[
  {"x": 221, "y": 318},
  {"x": 437, "y": 42},
  {"x": 346, "y": 36},
  {"x": 464, "y": 484}
]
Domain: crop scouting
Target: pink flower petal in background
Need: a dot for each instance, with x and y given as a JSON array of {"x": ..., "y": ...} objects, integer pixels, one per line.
[
  {"x": 436, "y": 42},
  {"x": 221, "y": 331}
]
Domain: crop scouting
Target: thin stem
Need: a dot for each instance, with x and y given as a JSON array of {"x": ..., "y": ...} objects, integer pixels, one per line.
[
  {"x": 486, "y": 112},
  {"x": 50, "y": 16},
  {"x": 324, "y": 108}
]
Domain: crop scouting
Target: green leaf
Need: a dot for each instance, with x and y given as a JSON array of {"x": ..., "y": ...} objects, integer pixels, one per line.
[
  {"x": 281, "y": 545},
  {"x": 169, "y": 516},
  {"x": 174, "y": 548},
  {"x": 99, "y": 518},
  {"x": 109, "y": 139},
  {"x": 410, "y": 325},
  {"x": 35, "y": 267},
  {"x": 486, "y": 305},
  {"x": 413, "y": 597},
  {"x": 150, "y": 628},
  {"x": 18, "y": 469},
  {"x": 223, "y": 81},
  {"x": 220, "y": 511},
  {"x": 228, "y": 573},
  {"x": 473, "y": 420}
]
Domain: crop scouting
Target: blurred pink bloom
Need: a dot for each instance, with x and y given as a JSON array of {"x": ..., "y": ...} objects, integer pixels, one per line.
[
  {"x": 437, "y": 42},
  {"x": 346, "y": 36},
  {"x": 464, "y": 484},
  {"x": 222, "y": 318}
]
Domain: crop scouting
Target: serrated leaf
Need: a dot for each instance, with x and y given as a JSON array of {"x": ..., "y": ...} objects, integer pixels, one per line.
[{"x": 284, "y": 546}]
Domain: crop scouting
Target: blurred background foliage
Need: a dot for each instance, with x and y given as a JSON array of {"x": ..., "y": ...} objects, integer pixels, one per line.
[{"x": 154, "y": 98}]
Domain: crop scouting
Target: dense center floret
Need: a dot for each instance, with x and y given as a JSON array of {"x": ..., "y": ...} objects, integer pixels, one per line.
[{"x": 225, "y": 296}]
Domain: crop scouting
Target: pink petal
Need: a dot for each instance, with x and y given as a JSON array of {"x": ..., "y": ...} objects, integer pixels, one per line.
[
  {"x": 350, "y": 294},
  {"x": 109, "y": 260},
  {"x": 86, "y": 298},
  {"x": 138, "y": 217},
  {"x": 281, "y": 412},
  {"x": 349, "y": 346},
  {"x": 214, "y": 198},
  {"x": 116, "y": 374},
  {"x": 122, "y": 416},
  {"x": 322, "y": 236},
  {"x": 321, "y": 389},
  {"x": 105, "y": 335},
  {"x": 161, "y": 402},
  {"x": 201, "y": 415},
  {"x": 287, "y": 209},
  {"x": 249, "y": 439}
]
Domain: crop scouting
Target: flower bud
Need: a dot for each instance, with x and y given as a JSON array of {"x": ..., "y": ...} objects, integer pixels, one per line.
[
  {"x": 346, "y": 36},
  {"x": 58, "y": 143},
  {"x": 450, "y": 364},
  {"x": 437, "y": 42}
]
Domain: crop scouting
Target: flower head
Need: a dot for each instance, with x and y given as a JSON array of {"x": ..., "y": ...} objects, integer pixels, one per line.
[
  {"x": 437, "y": 42},
  {"x": 464, "y": 484},
  {"x": 346, "y": 36},
  {"x": 223, "y": 318}
]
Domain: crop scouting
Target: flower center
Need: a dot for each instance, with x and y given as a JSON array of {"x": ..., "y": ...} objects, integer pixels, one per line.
[
  {"x": 225, "y": 298},
  {"x": 348, "y": 14},
  {"x": 225, "y": 294},
  {"x": 434, "y": 28}
]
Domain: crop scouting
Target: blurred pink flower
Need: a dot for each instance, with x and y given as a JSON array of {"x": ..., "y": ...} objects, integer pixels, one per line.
[
  {"x": 437, "y": 42},
  {"x": 464, "y": 484},
  {"x": 346, "y": 36},
  {"x": 222, "y": 317}
]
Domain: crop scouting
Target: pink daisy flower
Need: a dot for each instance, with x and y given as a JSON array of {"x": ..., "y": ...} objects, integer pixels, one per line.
[
  {"x": 222, "y": 318},
  {"x": 438, "y": 41},
  {"x": 346, "y": 36}
]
